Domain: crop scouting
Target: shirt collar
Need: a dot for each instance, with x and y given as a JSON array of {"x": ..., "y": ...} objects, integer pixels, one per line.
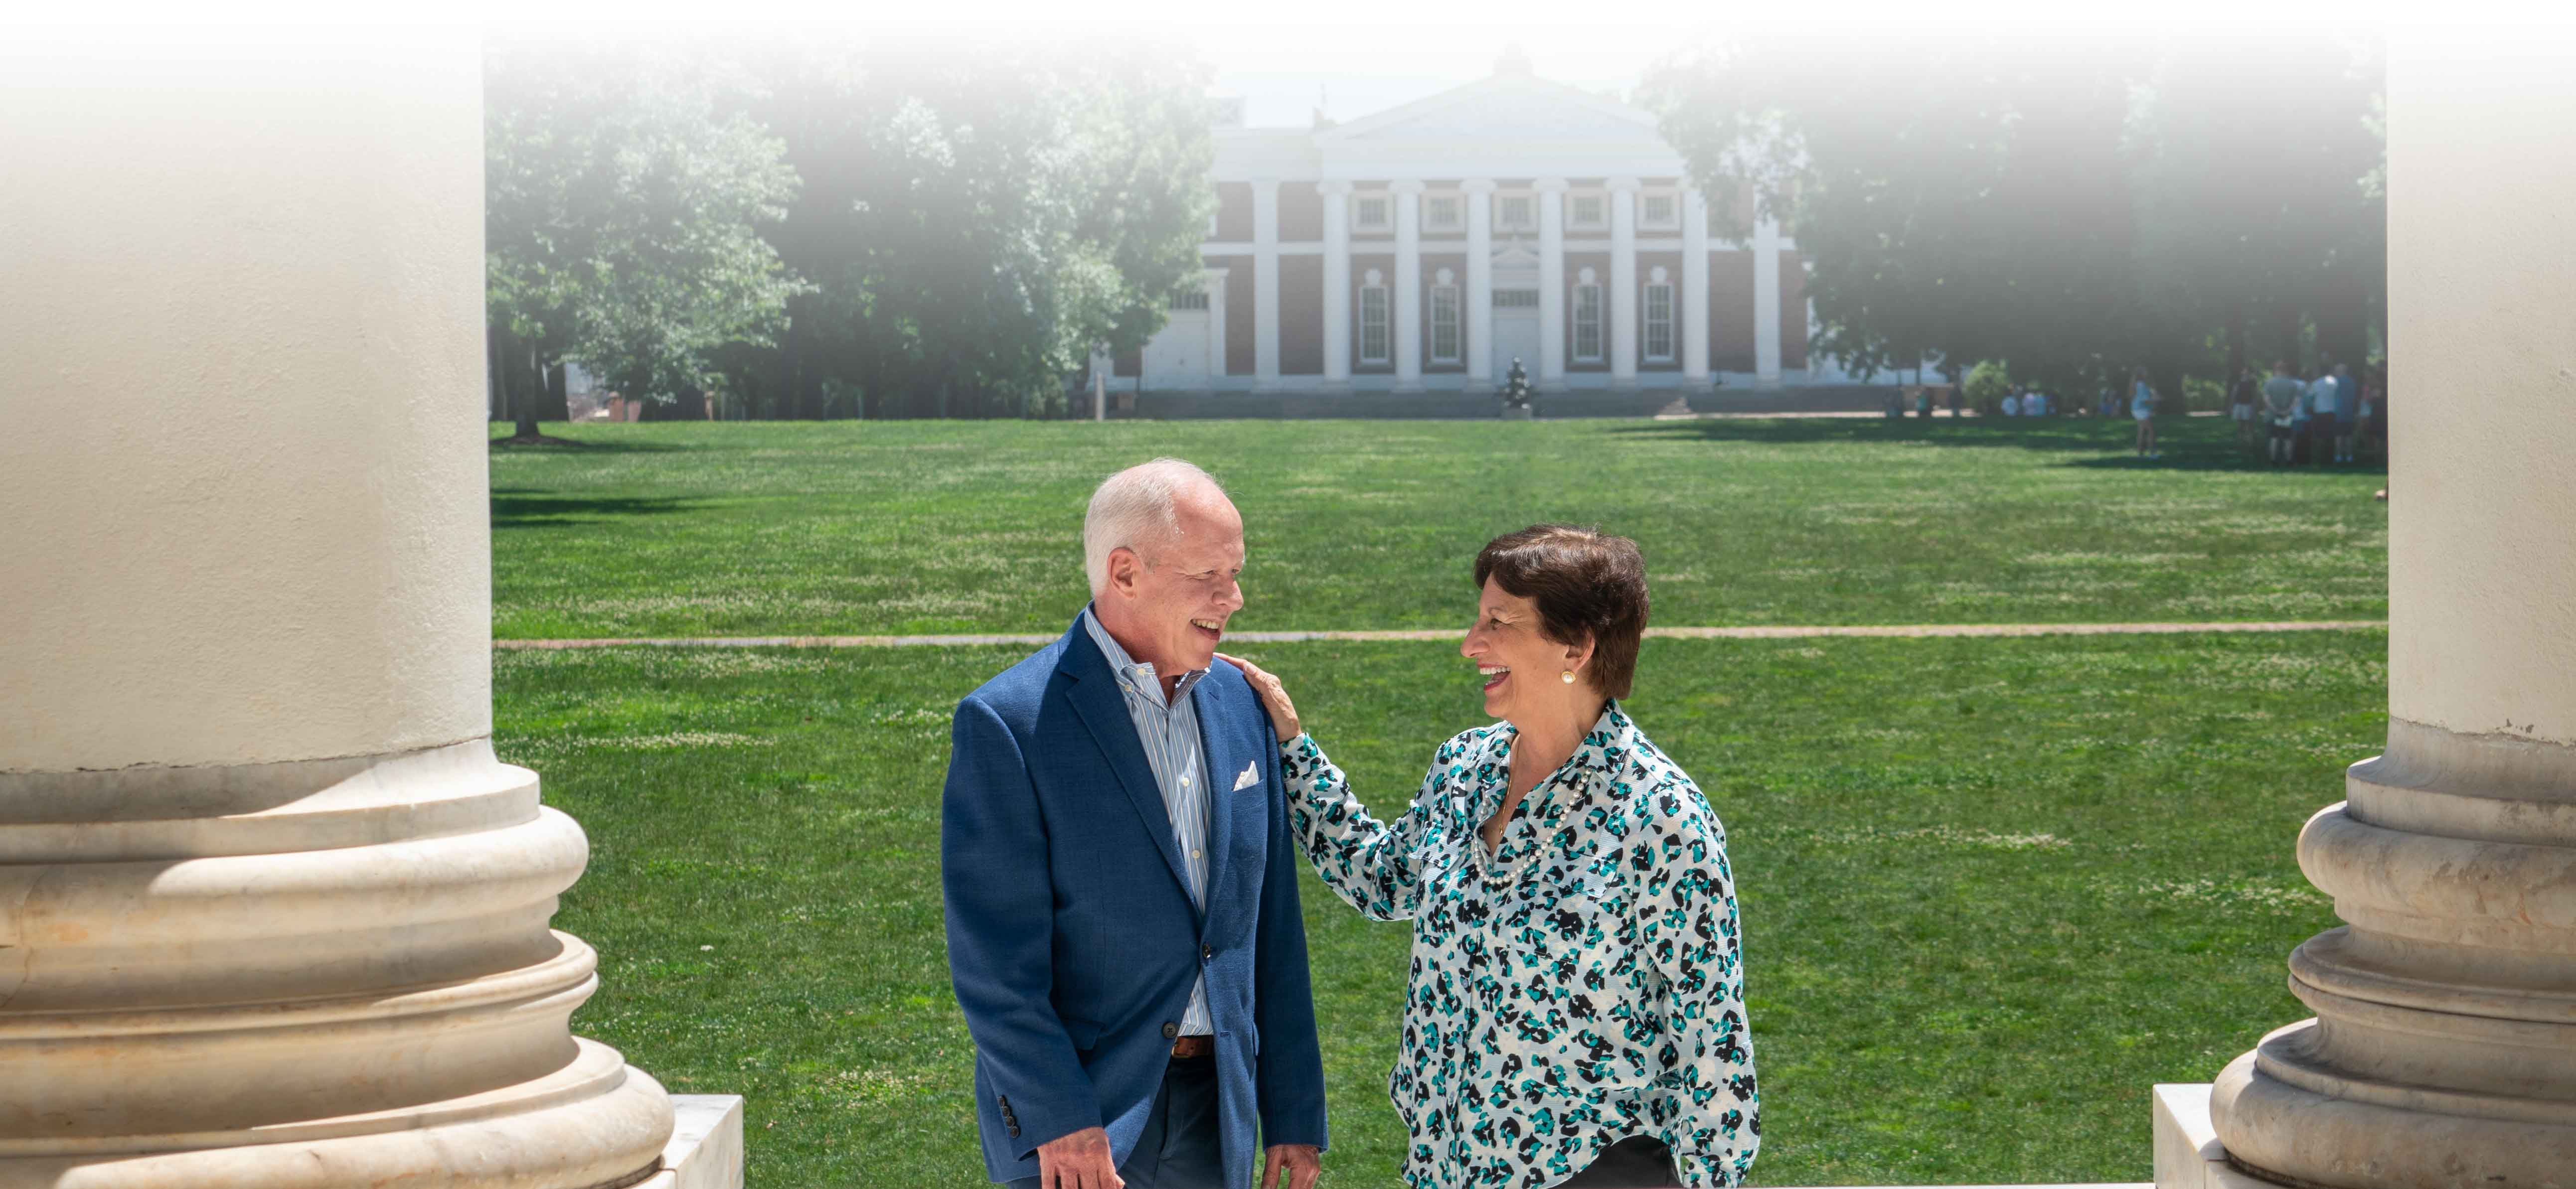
[{"x": 1134, "y": 674}]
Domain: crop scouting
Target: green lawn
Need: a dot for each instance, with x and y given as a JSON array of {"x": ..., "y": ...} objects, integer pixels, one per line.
[
  {"x": 1993, "y": 889},
  {"x": 891, "y": 527}
]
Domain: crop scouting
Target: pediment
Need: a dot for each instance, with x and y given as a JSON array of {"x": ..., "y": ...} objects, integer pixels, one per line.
[
  {"x": 1515, "y": 256},
  {"x": 1504, "y": 109}
]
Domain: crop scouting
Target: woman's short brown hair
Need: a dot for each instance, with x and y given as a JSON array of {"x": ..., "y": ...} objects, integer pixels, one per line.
[{"x": 1588, "y": 585}]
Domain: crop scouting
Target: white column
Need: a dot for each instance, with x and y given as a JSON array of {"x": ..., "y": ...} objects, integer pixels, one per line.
[
  {"x": 1766, "y": 301},
  {"x": 1265, "y": 283},
  {"x": 1480, "y": 282},
  {"x": 1623, "y": 281},
  {"x": 2443, "y": 1052},
  {"x": 1215, "y": 286},
  {"x": 1408, "y": 285},
  {"x": 1551, "y": 278},
  {"x": 1694, "y": 303},
  {"x": 271, "y": 912},
  {"x": 1337, "y": 281}
]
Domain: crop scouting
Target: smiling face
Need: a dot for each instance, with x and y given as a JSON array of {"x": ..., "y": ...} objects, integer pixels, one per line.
[
  {"x": 1168, "y": 605},
  {"x": 1522, "y": 670}
]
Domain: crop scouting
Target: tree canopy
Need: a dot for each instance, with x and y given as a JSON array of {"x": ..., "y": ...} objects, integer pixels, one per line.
[
  {"x": 623, "y": 215},
  {"x": 2076, "y": 207}
]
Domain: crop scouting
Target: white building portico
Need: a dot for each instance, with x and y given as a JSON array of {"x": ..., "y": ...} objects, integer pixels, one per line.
[{"x": 1427, "y": 247}]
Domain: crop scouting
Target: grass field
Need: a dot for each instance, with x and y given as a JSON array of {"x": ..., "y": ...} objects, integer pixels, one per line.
[
  {"x": 1992, "y": 889},
  {"x": 897, "y": 527}
]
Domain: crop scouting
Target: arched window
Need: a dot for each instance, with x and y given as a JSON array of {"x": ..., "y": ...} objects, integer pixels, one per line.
[
  {"x": 1375, "y": 339},
  {"x": 1659, "y": 316},
  {"x": 1587, "y": 317},
  {"x": 1444, "y": 318}
]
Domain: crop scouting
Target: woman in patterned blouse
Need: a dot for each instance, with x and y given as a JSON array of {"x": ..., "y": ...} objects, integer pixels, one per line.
[{"x": 1575, "y": 1014}]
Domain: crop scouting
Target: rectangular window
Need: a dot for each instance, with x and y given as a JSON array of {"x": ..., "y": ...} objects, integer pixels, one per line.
[
  {"x": 1195, "y": 299},
  {"x": 1518, "y": 214},
  {"x": 1440, "y": 213},
  {"x": 1587, "y": 210},
  {"x": 1659, "y": 212},
  {"x": 1516, "y": 299},
  {"x": 1659, "y": 323},
  {"x": 1374, "y": 338},
  {"x": 1587, "y": 323},
  {"x": 1369, "y": 213},
  {"x": 1444, "y": 324}
]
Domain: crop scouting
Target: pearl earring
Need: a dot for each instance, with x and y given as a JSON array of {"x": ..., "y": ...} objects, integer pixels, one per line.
[{"x": 1569, "y": 677}]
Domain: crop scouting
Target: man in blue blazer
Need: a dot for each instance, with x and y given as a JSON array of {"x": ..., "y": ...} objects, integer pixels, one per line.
[{"x": 1123, "y": 928}]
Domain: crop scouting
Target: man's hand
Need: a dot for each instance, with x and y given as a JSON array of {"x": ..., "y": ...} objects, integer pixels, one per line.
[
  {"x": 1299, "y": 1162},
  {"x": 1274, "y": 698},
  {"x": 1080, "y": 1161}
]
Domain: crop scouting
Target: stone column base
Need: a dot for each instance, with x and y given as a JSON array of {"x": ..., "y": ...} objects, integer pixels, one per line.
[{"x": 580, "y": 1129}]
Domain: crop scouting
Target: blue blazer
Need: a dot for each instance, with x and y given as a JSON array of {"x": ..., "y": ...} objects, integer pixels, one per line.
[{"x": 1072, "y": 942}]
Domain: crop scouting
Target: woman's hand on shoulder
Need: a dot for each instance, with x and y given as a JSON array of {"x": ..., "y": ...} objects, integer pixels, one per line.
[{"x": 1274, "y": 696}]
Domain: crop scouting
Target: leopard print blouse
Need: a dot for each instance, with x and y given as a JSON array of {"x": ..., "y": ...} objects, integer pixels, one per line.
[{"x": 1581, "y": 984}]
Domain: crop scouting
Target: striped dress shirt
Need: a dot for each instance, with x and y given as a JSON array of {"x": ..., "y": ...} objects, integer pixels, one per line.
[{"x": 1169, "y": 730}]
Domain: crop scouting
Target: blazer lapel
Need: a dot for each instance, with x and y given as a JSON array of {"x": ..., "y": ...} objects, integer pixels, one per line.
[
  {"x": 1095, "y": 695},
  {"x": 1225, "y": 759}
]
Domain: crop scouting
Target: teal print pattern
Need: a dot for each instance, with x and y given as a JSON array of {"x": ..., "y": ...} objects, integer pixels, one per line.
[{"x": 1582, "y": 984}]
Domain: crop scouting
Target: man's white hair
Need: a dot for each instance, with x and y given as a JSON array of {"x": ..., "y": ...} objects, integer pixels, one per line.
[{"x": 1138, "y": 509}]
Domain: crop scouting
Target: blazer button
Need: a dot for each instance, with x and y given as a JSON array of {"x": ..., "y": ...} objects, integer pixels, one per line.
[
  {"x": 1205, "y": 953},
  {"x": 1170, "y": 1029}
]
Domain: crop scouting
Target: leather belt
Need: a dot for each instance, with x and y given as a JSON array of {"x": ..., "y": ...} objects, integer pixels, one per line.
[{"x": 1194, "y": 1046}]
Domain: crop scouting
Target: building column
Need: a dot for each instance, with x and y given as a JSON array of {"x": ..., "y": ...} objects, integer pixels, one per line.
[
  {"x": 1694, "y": 303},
  {"x": 1480, "y": 282},
  {"x": 1337, "y": 281},
  {"x": 2443, "y": 1052},
  {"x": 1766, "y": 301},
  {"x": 1623, "y": 281},
  {"x": 1551, "y": 278},
  {"x": 1408, "y": 285},
  {"x": 1265, "y": 283},
  {"x": 1214, "y": 285},
  {"x": 272, "y": 914}
]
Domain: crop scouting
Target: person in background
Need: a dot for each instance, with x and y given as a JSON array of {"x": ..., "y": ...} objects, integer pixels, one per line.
[
  {"x": 2282, "y": 395},
  {"x": 2347, "y": 411},
  {"x": 2374, "y": 410},
  {"x": 2142, "y": 408},
  {"x": 2321, "y": 414},
  {"x": 2012, "y": 403},
  {"x": 1922, "y": 402},
  {"x": 2240, "y": 409},
  {"x": 1895, "y": 410},
  {"x": 1958, "y": 399}
]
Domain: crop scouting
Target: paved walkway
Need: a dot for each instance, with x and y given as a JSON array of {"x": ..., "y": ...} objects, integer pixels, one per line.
[{"x": 1434, "y": 634}]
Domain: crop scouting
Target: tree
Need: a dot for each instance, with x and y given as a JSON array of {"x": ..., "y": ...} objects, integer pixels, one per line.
[
  {"x": 2073, "y": 206},
  {"x": 975, "y": 221},
  {"x": 622, "y": 218}
]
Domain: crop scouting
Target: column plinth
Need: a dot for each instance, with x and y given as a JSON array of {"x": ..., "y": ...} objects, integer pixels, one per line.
[{"x": 272, "y": 915}]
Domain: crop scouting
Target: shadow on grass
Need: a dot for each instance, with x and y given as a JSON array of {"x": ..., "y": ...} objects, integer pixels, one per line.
[
  {"x": 2201, "y": 445},
  {"x": 585, "y": 446},
  {"x": 527, "y": 507}
]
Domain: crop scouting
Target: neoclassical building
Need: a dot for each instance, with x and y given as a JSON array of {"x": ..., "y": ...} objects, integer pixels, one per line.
[{"x": 1425, "y": 247}]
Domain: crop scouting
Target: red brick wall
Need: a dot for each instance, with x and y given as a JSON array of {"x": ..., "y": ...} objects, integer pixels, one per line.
[
  {"x": 1234, "y": 212},
  {"x": 1730, "y": 309},
  {"x": 1301, "y": 213},
  {"x": 1238, "y": 312},
  {"x": 1301, "y": 316}
]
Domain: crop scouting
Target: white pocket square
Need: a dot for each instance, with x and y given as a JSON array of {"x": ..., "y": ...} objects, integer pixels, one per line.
[{"x": 1251, "y": 776}]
